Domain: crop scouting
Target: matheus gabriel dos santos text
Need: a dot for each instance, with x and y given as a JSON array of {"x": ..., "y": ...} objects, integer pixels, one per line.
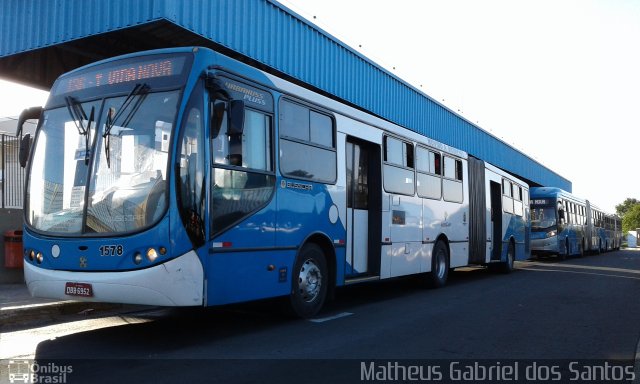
[{"x": 498, "y": 371}]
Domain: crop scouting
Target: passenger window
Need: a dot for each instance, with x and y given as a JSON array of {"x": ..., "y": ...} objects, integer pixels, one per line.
[
  {"x": 321, "y": 129},
  {"x": 307, "y": 143},
  {"x": 251, "y": 149},
  {"x": 507, "y": 196},
  {"x": 449, "y": 168},
  {"x": 506, "y": 187},
  {"x": 428, "y": 180},
  {"x": 294, "y": 121},
  {"x": 452, "y": 187},
  {"x": 459, "y": 170},
  {"x": 398, "y": 167}
]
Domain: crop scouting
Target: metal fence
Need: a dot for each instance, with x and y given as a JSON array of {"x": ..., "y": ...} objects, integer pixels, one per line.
[{"x": 12, "y": 175}]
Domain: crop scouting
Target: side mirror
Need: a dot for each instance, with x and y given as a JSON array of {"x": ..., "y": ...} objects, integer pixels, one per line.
[
  {"x": 25, "y": 149},
  {"x": 25, "y": 143},
  {"x": 236, "y": 117},
  {"x": 32, "y": 113}
]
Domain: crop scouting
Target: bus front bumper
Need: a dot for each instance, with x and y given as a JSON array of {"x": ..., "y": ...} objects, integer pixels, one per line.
[
  {"x": 177, "y": 282},
  {"x": 544, "y": 246}
]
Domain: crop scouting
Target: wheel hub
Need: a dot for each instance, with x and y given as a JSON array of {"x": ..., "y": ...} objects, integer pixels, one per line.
[{"x": 309, "y": 281}]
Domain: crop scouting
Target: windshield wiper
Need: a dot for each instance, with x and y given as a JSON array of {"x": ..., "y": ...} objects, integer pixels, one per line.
[
  {"x": 139, "y": 90},
  {"x": 79, "y": 116},
  {"x": 87, "y": 136}
]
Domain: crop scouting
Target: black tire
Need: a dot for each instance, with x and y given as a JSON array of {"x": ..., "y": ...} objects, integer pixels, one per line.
[
  {"x": 309, "y": 282},
  {"x": 439, "y": 266},
  {"x": 508, "y": 265}
]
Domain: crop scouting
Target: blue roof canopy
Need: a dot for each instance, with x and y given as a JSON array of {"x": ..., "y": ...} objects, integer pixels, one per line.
[{"x": 43, "y": 39}]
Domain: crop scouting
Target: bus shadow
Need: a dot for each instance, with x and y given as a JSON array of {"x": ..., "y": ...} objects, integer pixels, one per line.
[
  {"x": 163, "y": 331},
  {"x": 349, "y": 298},
  {"x": 166, "y": 330}
]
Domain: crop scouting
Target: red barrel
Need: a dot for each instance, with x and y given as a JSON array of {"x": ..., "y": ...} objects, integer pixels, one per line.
[{"x": 13, "y": 257}]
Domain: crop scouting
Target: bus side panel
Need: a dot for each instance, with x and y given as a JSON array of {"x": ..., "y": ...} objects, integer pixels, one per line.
[
  {"x": 406, "y": 231},
  {"x": 515, "y": 228},
  {"x": 520, "y": 238},
  {"x": 456, "y": 217},
  {"x": 243, "y": 276},
  {"x": 458, "y": 234},
  {"x": 385, "y": 254},
  {"x": 450, "y": 220},
  {"x": 307, "y": 209},
  {"x": 432, "y": 214}
]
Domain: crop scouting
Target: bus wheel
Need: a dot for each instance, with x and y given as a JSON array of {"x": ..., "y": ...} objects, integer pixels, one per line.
[
  {"x": 310, "y": 280},
  {"x": 508, "y": 265},
  {"x": 439, "y": 266}
]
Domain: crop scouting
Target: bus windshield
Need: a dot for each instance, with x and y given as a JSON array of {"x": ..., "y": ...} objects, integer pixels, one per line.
[
  {"x": 543, "y": 218},
  {"x": 101, "y": 166}
]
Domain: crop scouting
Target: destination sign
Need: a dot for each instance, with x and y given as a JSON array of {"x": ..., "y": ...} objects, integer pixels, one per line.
[
  {"x": 148, "y": 67},
  {"x": 541, "y": 202}
]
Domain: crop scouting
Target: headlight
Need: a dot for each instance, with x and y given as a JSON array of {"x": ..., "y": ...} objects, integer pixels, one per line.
[
  {"x": 551, "y": 233},
  {"x": 152, "y": 255}
]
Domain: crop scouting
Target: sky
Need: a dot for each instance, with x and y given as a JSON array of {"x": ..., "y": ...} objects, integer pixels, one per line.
[{"x": 557, "y": 79}]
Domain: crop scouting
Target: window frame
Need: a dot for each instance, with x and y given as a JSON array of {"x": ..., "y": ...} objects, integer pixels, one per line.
[
  {"x": 428, "y": 151},
  {"x": 311, "y": 108},
  {"x": 507, "y": 192},
  {"x": 457, "y": 176},
  {"x": 408, "y": 158}
]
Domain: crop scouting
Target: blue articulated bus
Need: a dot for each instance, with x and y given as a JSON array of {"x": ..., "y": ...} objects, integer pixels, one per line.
[
  {"x": 564, "y": 225},
  {"x": 606, "y": 234},
  {"x": 182, "y": 177}
]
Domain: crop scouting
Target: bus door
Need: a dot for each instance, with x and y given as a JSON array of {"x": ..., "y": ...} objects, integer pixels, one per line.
[
  {"x": 496, "y": 220},
  {"x": 364, "y": 208}
]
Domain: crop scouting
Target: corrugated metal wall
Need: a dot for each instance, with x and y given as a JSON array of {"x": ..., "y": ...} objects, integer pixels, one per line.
[
  {"x": 32, "y": 24},
  {"x": 269, "y": 33}
]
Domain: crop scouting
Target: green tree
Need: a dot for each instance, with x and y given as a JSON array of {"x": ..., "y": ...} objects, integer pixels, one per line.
[
  {"x": 631, "y": 219},
  {"x": 628, "y": 203}
]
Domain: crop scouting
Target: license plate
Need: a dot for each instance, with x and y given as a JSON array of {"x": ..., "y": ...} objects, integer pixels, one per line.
[{"x": 78, "y": 289}]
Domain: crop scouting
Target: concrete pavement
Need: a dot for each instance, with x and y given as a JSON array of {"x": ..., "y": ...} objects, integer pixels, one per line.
[{"x": 19, "y": 309}]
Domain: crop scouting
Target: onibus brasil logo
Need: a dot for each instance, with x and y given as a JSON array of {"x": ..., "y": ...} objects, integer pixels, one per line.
[{"x": 25, "y": 371}]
